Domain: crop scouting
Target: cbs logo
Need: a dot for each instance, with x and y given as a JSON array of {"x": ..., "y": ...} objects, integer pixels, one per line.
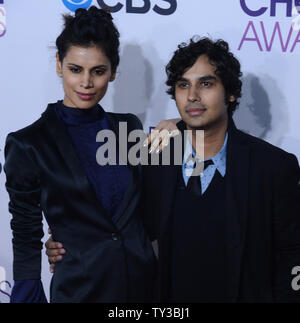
[
  {"x": 75, "y": 4},
  {"x": 162, "y": 7},
  {"x": 2, "y": 22}
]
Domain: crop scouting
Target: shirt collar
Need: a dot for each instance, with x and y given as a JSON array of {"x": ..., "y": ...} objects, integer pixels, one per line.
[{"x": 219, "y": 159}]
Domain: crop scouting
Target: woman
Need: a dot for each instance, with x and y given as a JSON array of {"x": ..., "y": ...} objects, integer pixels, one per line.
[{"x": 51, "y": 169}]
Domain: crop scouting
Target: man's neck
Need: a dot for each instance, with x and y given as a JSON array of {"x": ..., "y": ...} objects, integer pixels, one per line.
[{"x": 214, "y": 138}]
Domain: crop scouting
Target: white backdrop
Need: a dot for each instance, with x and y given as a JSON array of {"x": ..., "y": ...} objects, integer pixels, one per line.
[{"x": 261, "y": 33}]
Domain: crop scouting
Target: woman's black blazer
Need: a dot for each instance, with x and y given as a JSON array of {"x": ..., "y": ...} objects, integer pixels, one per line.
[{"x": 105, "y": 261}]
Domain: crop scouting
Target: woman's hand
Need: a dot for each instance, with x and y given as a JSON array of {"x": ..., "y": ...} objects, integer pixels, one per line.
[
  {"x": 159, "y": 138},
  {"x": 54, "y": 251}
]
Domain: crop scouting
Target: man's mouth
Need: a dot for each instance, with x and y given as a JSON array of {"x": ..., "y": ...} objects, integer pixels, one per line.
[{"x": 195, "y": 111}]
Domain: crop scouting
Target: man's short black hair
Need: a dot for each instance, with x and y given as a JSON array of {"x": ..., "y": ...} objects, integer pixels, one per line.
[{"x": 227, "y": 66}]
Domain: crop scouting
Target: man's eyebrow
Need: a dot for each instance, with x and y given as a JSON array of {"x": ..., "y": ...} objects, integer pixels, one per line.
[
  {"x": 207, "y": 78},
  {"x": 182, "y": 79},
  {"x": 201, "y": 78}
]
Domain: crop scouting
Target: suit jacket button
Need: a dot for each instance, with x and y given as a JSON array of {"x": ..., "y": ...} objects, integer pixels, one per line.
[{"x": 115, "y": 236}]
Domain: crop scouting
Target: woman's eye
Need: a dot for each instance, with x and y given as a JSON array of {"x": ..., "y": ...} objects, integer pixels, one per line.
[
  {"x": 99, "y": 72},
  {"x": 75, "y": 70}
]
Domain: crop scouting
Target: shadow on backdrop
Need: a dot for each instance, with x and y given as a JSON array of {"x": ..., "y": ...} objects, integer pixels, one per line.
[
  {"x": 261, "y": 114},
  {"x": 253, "y": 114},
  {"x": 133, "y": 86},
  {"x": 137, "y": 88}
]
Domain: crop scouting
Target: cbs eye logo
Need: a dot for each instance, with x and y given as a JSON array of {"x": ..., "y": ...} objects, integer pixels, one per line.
[
  {"x": 73, "y": 5},
  {"x": 142, "y": 8}
]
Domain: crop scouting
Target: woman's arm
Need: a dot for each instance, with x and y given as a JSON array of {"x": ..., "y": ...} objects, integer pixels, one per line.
[
  {"x": 159, "y": 138},
  {"x": 23, "y": 187}
]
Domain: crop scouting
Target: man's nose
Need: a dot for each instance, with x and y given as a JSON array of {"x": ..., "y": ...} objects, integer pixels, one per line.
[{"x": 194, "y": 94}]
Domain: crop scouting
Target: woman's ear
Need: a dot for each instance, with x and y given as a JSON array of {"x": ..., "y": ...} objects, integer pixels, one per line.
[
  {"x": 58, "y": 66},
  {"x": 231, "y": 98},
  {"x": 112, "y": 77}
]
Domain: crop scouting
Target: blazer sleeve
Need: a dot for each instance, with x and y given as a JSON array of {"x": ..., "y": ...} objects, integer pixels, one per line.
[
  {"x": 287, "y": 229},
  {"x": 23, "y": 187}
]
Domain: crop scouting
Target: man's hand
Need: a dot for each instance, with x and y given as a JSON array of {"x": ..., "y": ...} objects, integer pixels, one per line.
[
  {"x": 159, "y": 138},
  {"x": 54, "y": 251}
]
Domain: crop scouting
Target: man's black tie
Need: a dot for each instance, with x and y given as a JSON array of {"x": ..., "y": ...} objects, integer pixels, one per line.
[{"x": 194, "y": 182}]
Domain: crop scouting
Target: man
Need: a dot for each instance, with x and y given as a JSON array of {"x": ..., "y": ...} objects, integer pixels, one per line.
[{"x": 233, "y": 233}]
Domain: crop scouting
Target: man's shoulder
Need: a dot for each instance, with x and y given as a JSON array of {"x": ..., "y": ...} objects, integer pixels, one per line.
[{"x": 264, "y": 149}]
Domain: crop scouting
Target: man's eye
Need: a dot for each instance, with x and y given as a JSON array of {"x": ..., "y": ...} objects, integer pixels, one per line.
[
  {"x": 183, "y": 85},
  {"x": 205, "y": 84}
]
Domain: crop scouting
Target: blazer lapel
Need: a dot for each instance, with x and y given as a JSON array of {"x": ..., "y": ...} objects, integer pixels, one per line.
[
  {"x": 170, "y": 177},
  {"x": 237, "y": 172},
  {"x": 132, "y": 195},
  {"x": 64, "y": 145},
  {"x": 122, "y": 146}
]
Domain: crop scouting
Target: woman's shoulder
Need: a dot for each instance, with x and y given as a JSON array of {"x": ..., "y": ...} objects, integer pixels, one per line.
[
  {"x": 132, "y": 120},
  {"x": 28, "y": 132},
  {"x": 31, "y": 131}
]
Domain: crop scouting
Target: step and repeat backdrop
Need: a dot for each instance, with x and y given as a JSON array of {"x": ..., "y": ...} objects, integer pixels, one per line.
[{"x": 263, "y": 34}]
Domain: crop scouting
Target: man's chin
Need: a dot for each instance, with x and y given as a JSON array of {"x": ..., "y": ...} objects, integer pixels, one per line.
[{"x": 194, "y": 125}]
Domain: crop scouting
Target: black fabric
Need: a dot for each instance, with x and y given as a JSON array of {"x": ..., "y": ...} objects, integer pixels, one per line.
[
  {"x": 105, "y": 261},
  {"x": 198, "y": 259},
  {"x": 194, "y": 182},
  {"x": 108, "y": 181},
  {"x": 262, "y": 205}
]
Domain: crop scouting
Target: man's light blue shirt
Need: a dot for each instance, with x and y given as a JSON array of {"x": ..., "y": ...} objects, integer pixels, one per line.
[{"x": 219, "y": 163}]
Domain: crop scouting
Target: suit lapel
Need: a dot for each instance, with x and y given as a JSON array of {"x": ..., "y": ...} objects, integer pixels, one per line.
[
  {"x": 237, "y": 178},
  {"x": 122, "y": 146},
  {"x": 131, "y": 196},
  {"x": 64, "y": 145},
  {"x": 170, "y": 177}
]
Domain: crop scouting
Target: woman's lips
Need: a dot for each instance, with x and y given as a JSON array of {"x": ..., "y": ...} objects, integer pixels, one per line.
[{"x": 85, "y": 96}]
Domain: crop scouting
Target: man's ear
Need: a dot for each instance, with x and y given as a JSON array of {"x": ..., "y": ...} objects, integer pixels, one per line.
[{"x": 58, "y": 66}]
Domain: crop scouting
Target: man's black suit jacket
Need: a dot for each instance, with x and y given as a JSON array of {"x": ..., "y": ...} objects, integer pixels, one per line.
[
  {"x": 104, "y": 261},
  {"x": 263, "y": 218}
]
